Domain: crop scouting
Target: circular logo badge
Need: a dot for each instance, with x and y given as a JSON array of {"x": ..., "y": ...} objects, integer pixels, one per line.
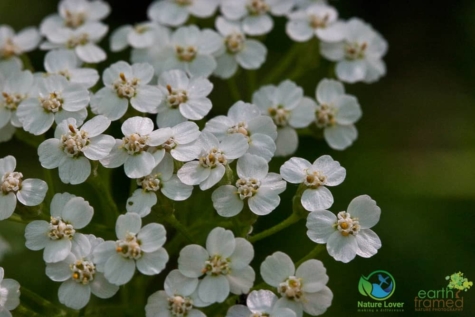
[{"x": 379, "y": 285}]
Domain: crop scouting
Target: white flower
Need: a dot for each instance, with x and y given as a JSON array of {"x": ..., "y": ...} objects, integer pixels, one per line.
[
  {"x": 7, "y": 132},
  {"x": 179, "y": 298},
  {"x": 347, "y": 234},
  {"x": 260, "y": 188},
  {"x": 260, "y": 303},
  {"x": 289, "y": 109},
  {"x": 59, "y": 236},
  {"x": 155, "y": 54},
  {"x": 123, "y": 84},
  {"x": 161, "y": 179},
  {"x": 71, "y": 148},
  {"x": 9, "y": 295},
  {"x": 359, "y": 55},
  {"x": 213, "y": 159},
  {"x": 255, "y": 13},
  {"x": 246, "y": 119},
  {"x": 80, "y": 278},
  {"x": 12, "y": 45},
  {"x": 319, "y": 20},
  {"x": 56, "y": 100},
  {"x": 176, "y": 12},
  {"x": 142, "y": 35},
  {"x": 302, "y": 4},
  {"x": 336, "y": 114},
  {"x": 66, "y": 63},
  {"x": 224, "y": 262},
  {"x": 131, "y": 151},
  {"x": 323, "y": 172},
  {"x": 14, "y": 90},
  {"x": 303, "y": 289},
  {"x": 82, "y": 40},
  {"x": 136, "y": 246},
  {"x": 249, "y": 54},
  {"x": 191, "y": 50},
  {"x": 30, "y": 192},
  {"x": 183, "y": 98},
  {"x": 73, "y": 14},
  {"x": 10, "y": 66}
]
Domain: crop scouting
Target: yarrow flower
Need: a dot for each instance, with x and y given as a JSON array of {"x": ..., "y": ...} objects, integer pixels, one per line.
[
  {"x": 348, "y": 234},
  {"x": 72, "y": 148},
  {"x": 260, "y": 303},
  {"x": 301, "y": 290},
  {"x": 359, "y": 55},
  {"x": 336, "y": 114},
  {"x": 30, "y": 192},
  {"x": 136, "y": 247},
  {"x": 80, "y": 278},
  {"x": 9, "y": 294},
  {"x": 224, "y": 262},
  {"x": 212, "y": 160},
  {"x": 246, "y": 119},
  {"x": 16, "y": 88},
  {"x": 289, "y": 109},
  {"x": 176, "y": 12},
  {"x": 142, "y": 35},
  {"x": 13, "y": 45},
  {"x": 323, "y": 172},
  {"x": 255, "y": 185},
  {"x": 180, "y": 298},
  {"x": 59, "y": 236},
  {"x": 123, "y": 84}
]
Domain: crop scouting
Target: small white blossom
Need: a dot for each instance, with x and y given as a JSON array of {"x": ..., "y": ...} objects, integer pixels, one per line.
[
  {"x": 56, "y": 100},
  {"x": 213, "y": 159},
  {"x": 16, "y": 88},
  {"x": 80, "y": 278},
  {"x": 9, "y": 66},
  {"x": 141, "y": 35},
  {"x": 7, "y": 132},
  {"x": 136, "y": 246},
  {"x": 255, "y": 185},
  {"x": 176, "y": 12},
  {"x": 82, "y": 40},
  {"x": 249, "y": 54},
  {"x": 323, "y": 172},
  {"x": 179, "y": 298},
  {"x": 74, "y": 14},
  {"x": 71, "y": 148},
  {"x": 30, "y": 192},
  {"x": 13, "y": 45},
  {"x": 161, "y": 179},
  {"x": 123, "y": 84},
  {"x": 183, "y": 98},
  {"x": 132, "y": 152},
  {"x": 155, "y": 55},
  {"x": 301, "y": 290},
  {"x": 59, "y": 236},
  {"x": 260, "y": 303},
  {"x": 66, "y": 63},
  {"x": 255, "y": 13},
  {"x": 224, "y": 262},
  {"x": 246, "y": 119},
  {"x": 9, "y": 294},
  {"x": 359, "y": 55},
  {"x": 289, "y": 109},
  {"x": 336, "y": 114},
  {"x": 348, "y": 234},
  {"x": 317, "y": 20}
]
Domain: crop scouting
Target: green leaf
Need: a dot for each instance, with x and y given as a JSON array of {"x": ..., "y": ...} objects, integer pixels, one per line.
[{"x": 364, "y": 286}]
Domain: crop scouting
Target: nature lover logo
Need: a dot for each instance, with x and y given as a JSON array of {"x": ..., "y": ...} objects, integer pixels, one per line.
[{"x": 379, "y": 285}]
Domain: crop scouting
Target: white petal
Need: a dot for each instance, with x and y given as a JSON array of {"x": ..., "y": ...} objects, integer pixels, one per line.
[
  {"x": 169, "y": 118},
  {"x": 7, "y": 164},
  {"x": 220, "y": 242},
  {"x": 242, "y": 255},
  {"x": 191, "y": 261},
  {"x": 366, "y": 210},
  {"x": 241, "y": 281},
  {"x": 80, "y": 245},
  {"x": 74, "y": 170},
  {"x": 288, "y": 94},
  {"x": 107, "y": 103},
  {"x": 303, "y": 114},
  {"x": 299, "y": 30},
  {"x": 234, "y": 146},
  {"x": 160, "y": 136},
  {"x": 257, "y": 25},
  {"x": 335, "y": 174},
  {"x": 147, "y": 99},
  {"x": 314, "y": 275},
  {"x": 320, "y": 225},
  {"x": 202, "y": 65},
  {"x": 176, "y": 190},
  {"x": 252, "y": 166},
  {"x": 202, "y": 8},
  {"x": 210, "y": 42},
  {"x": 118, "y": 39},
  {"x": 60, "y": 271},
  {"x": 264, "y": 202},
  {"x": 239, "y": 311},
  {"x": 261, "y": 301},
  {"x": 78, "y": 212},
  {"x": 74, "y": 295},
  {"x": 213, "y": 289},
  {"x": 96, "y": 126},
  {"x": 33, "y": 117},
  {"x": 99, "y": 147},
  {"x": 199, "y": 87},
  {"x": 7, "y": 205},
  {"x": 139, "y": 165},
  {"x": 116, "y": 157},
  {"x": 318, "y": 302},
  {"x": 90, "y": 53},
  {"x": 143, "y": 72},
  {"x": 75, "y": 97},
  {"x": 280, "y": 7},
  {"x": 127, "y": 223},
  {"x": 215, "y": 175},
  {"x": 342, "y": 248},
  {"x": 36, "y": 235},
  {"x": 287, "y": 141},
  {"x": 273, "y": 182},
  {"x": 102, "y": 253},
  {"x": 192, "y": 173},
  {"x": 226, "y": 66},
  {"x": 119, "y": 270},
  {"x": 140, "y": 125},
  {"x": 152, "y": 263},
  {"x": 253, "y": 55},
  {"x": 56, "y": 250},
  {"x": 28, "y": 39},
  {"x": 349, "y": 110},
  {"x": 58, "y": 203},
  {"x": 226, "y": 201},
  {"x": 152, "y": 237},
  {"x": 294, "y": 170},
  {"x": 351, "y": 71},
  {"x": 317, "y": 199},
  {"x": 368, "y": 243},
  {"x": 32, "y": 192},
  {"x": 167, "y": 13},
  {"x": 234, "y": 9},
  {"x": 276, "y": 268},
  {"x": 262, "y": 145},
  {"x": 333, "y": 51},
  {"x": 339, "y": 137},
  {"x": 101, "y": 287},
  {"x": 177, "y": 283},
  {"x": 141, "y": 202}
]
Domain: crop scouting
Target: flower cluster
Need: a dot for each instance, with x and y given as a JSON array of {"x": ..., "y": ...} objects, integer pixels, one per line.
[{"x": 174, "y": 136}]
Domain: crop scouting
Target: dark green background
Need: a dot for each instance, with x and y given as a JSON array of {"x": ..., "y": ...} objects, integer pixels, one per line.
[{"x": 415, "y": 153}]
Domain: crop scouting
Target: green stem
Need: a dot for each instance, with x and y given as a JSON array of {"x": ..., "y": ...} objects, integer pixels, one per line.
[
  {"x": 311, "y": 255},
  {"x": 17, "y": 219},
  {"x": 172, "y": 221},
  {"x": 49, "y": 180},
  {"x": 283, "y": 64},
  {"x": 108, "y": 205},
  {"x": 251, "y": 82},
  {"x": 41, "y": 301},
  {"x": 27, "y": 62},
  {"x": 234, "y": 89},
  {"x": 284, "y": 224},
  {"x": 22, "y": 310}
]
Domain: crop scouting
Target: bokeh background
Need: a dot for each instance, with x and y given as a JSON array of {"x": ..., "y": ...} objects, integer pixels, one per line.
[{"x": 415, "y": 154}]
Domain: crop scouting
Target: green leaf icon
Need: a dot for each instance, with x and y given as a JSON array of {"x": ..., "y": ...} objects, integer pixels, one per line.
[{"x": 364, "y": 286}]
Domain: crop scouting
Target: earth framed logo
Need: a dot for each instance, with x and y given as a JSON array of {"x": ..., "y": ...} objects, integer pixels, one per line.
[{"x": 378, "y": 285}]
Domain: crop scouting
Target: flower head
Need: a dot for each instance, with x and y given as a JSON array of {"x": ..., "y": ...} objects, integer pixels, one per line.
[
  {"x": 16, "y": 88},
  {"x": 260, "y": 303}
]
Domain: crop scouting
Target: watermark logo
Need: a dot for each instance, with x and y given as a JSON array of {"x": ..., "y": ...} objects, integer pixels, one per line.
[
  {"x": 379, "y": 285},
  {"x": 446, "y": 299}
]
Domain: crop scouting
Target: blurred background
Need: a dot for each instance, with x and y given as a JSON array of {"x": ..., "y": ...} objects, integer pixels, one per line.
[{"x": 415, "y": 154}]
